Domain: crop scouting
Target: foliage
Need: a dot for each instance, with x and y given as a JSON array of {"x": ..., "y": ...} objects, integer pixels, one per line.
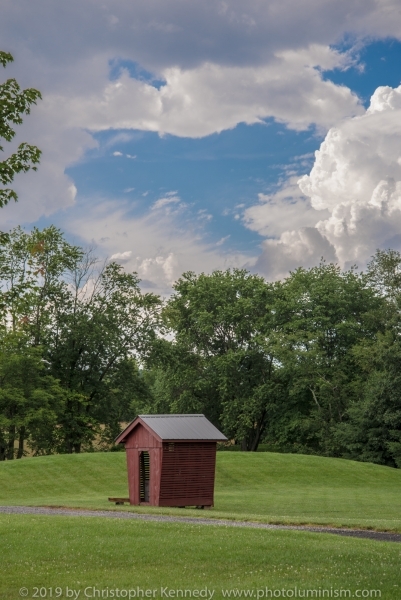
[
  {"x": 86, "y": 319},
  {"x": 309, "y": 364},
  {"x": 321, "y": 314},
  {"x": 373, "y": 429},
  {"x": 29, "y": 397},
  {"x": 221, "y": 361},
  {"x": 270, "y": 362},
  {"x": 14, "y": 103}
]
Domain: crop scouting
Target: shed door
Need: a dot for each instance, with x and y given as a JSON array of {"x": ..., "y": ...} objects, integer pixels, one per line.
[{"x": 144, "y": 476}]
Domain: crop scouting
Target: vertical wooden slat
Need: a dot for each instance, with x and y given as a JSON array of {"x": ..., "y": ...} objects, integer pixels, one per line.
[{"x": 155, "y": 473}]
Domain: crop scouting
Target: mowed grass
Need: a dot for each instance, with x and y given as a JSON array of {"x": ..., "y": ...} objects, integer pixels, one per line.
[
  {"x": 106, "y": 554},
  {"x": 278, "y": 488}
]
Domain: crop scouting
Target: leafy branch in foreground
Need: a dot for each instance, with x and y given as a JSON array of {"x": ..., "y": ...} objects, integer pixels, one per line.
[{"x": 14, "y": 103}]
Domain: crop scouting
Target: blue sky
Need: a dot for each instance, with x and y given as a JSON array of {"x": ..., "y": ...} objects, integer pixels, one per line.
[
  {"x": 214, "y": 174},
  {"x": 176, "y": 153}
]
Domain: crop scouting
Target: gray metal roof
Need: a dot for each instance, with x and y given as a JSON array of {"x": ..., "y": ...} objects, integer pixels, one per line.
[{"x": 183, "y": 427}]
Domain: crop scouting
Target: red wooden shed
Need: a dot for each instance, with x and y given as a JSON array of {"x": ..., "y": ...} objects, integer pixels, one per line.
[{"x": 171, "y": 459}]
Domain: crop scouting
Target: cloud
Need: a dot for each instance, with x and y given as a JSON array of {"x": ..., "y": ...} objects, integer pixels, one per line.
[
  {"x": 357, "y": 178},
  {"x": 285, "y": 209},
  {"x": 162, "y": 244},
  {"x": 211, "y": 97},
  {"x": 222, "y": 63},
  {"x": 222, "y": 240},
  {"x": 303, "y": 247},
  {"x": 204, "y": 215},
  {"x": 117, "y": 153},
  {"x": 166, "y": 201},
  {"x": 218, "y": 64},
  {"x": 353, "y": 195},
  {"x": 121, "y": 257},
  {"x": 162, "y": 33},
  {"x": 49, "y": 189}
]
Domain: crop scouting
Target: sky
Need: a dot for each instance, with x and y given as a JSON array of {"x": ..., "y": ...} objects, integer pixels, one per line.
[{"x": 197, "y": 135}]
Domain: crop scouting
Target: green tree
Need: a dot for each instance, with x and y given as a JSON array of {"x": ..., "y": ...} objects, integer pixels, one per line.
[
  {"x": 34, "y": 268},
  {"x": 129, "y": 393},
  {"x": 32, "y": 290},
  {"x": 372, "y": 431},
  {"x": 221, "y": 359},
  {"x": 104, "y": 322},
  {"x": 322, "y": 313},
  {"x": 29, "y": 397},
  {"x": 14, "y": 103},
  {"x": 88, "y": 321}
]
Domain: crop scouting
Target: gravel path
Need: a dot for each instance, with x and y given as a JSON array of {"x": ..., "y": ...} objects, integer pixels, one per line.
[{"x": 360, "y": 533}]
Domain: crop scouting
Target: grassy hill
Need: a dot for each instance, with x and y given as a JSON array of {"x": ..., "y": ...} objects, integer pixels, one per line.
[
  {"x": 56, "y": 554},
  {"x": 281, "y": 488}
]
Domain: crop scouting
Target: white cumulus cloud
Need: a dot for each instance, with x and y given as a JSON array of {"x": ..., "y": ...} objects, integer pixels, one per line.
[
  {"x": 353, "y": 195},
  {"x": 211, "y": 97},
  {"x": 121, "y": 256},
  {"x": 285, "y": 209}
]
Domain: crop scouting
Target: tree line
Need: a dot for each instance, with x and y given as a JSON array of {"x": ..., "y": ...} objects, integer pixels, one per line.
[{"x": 308, "y": 364}]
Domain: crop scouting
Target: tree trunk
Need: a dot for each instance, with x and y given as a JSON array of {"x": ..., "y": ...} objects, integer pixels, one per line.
[
  {"x": 250, "y": 443},
  {"x": 256, "y": 440},
  {"x": 244, "y": 445},
  {"x": 2, "y": 451},
  {"x": 21, "y": 440},
  {"x": 77, "y": 448},
  {"x": 11, "y": 439}
]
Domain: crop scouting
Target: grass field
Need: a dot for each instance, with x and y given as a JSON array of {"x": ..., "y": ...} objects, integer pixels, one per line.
[
  {"x": 281, "y": 488},
  {"x": 76, "y": 553},
  {"x": 79, "y": 557}
]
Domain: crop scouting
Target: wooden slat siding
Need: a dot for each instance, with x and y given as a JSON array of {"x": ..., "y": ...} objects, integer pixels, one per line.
[
  {"x": 129, "y": 431},
  {"x": 142, "y": 439},
  {"x": 181, "y": 472},
  {"x": 133, "y": 475},
  {"x": 188, "y": 471},
  {"x": 182, "y": 502},
  {"x": 155, "y": 471}
]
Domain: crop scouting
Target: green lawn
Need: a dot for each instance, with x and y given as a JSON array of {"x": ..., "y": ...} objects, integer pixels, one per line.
[
  {"x": 77, "y": 553},
  {"x": 95, "y": 556},
  {"x": 281, "y": 488}
]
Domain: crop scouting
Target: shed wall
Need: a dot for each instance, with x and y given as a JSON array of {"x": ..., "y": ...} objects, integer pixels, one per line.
[
  {"x": 142, "y": 439},
  {"x": 187, "y": 473}
]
